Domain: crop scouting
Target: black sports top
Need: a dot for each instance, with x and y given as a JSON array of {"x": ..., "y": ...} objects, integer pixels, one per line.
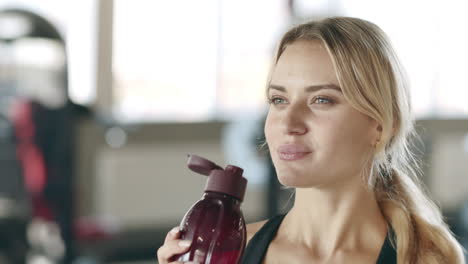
[{"x": 258, "y": 245}]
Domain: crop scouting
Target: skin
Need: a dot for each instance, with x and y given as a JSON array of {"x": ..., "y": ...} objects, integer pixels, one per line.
[
  {"x": 334, "y": 218},
  {"x": 173, "y": 245}
]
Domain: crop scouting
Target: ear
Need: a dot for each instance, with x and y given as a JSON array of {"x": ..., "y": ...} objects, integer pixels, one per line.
[{"x": 376, "y": 133}]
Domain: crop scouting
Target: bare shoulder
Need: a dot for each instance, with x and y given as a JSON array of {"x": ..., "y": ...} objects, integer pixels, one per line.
[{"x": 253, "y": 228}]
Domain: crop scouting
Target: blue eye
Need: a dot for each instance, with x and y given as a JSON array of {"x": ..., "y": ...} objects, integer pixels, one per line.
[
  {"x": 322, "y": 100},
  {"x": 276, "y": 100}
]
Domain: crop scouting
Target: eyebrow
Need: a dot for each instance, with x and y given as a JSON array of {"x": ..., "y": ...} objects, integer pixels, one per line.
[{"x": 310, "y": 88}]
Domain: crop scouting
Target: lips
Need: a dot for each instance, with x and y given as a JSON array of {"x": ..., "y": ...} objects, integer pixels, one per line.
[{"x": 290, "y": 152}]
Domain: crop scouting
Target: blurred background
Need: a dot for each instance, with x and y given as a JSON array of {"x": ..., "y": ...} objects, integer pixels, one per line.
[{"x": 101, "y": 100}]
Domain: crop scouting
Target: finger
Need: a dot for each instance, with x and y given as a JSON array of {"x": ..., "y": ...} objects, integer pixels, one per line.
[
  {"x": 172, "y": 248},
  {"x": 173, "y": 234}
]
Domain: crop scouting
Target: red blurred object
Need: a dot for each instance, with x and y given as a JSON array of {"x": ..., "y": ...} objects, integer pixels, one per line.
[{"x": 30, "y": 156}]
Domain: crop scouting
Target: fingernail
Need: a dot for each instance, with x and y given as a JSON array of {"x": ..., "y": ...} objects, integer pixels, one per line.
[
  {"x": 174, "y": 230},
  {"x": 184, "y": 243}
]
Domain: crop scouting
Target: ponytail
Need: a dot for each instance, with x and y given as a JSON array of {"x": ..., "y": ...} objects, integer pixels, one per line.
[{"x": 422, "y": 236}]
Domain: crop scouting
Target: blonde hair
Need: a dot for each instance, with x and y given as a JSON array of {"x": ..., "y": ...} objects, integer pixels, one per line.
[{"x": 373, "y": 82}]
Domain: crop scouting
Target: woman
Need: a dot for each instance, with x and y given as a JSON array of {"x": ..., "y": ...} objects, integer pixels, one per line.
[{"x": 338, "y": 130}]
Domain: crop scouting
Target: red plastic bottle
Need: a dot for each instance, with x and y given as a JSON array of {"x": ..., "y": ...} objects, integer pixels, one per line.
[{"x": 215, "y": 223}]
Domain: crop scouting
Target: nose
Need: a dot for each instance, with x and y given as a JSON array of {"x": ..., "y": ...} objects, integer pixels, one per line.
[{"x": 294, "y": 121}]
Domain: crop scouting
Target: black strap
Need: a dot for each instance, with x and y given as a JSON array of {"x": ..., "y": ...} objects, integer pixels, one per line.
[
  {"x": 258, "y": 245},
  {"x": 388, "y": 254}
]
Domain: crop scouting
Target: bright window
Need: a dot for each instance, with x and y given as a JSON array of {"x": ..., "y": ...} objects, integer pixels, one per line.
[{"x": 192, "y": 60}]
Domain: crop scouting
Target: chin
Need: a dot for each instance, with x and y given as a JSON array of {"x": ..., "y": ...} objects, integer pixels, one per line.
[{"x": 294, "y": 180}]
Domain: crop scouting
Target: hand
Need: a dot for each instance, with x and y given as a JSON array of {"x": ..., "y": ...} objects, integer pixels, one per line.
[{"x": 173, "y": 246}]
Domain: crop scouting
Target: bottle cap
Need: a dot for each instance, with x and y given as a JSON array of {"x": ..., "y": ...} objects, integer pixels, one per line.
[{"x": 229, "y": 180}]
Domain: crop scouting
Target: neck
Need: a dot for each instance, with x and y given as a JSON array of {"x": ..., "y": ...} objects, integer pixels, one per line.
[{"x": 332, "y": 221}]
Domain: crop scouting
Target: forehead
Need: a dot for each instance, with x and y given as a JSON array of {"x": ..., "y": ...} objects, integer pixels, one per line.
[{"x": 304, "y": 63}]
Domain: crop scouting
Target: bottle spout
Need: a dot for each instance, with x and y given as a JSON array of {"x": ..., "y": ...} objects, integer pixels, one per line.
[{"x": 233, "y": 171}]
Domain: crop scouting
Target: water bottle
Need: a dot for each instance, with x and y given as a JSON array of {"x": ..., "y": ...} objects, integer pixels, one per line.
[{"x": 215, "y": 223}]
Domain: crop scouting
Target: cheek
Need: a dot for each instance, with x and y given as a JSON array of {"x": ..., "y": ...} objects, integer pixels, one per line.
[
  {"x": 269, "y": 129},
  {"x": 348, "y": 137}
]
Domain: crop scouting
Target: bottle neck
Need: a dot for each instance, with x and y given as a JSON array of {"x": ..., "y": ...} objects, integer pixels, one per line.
[{"x": 222, "y": 196}]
